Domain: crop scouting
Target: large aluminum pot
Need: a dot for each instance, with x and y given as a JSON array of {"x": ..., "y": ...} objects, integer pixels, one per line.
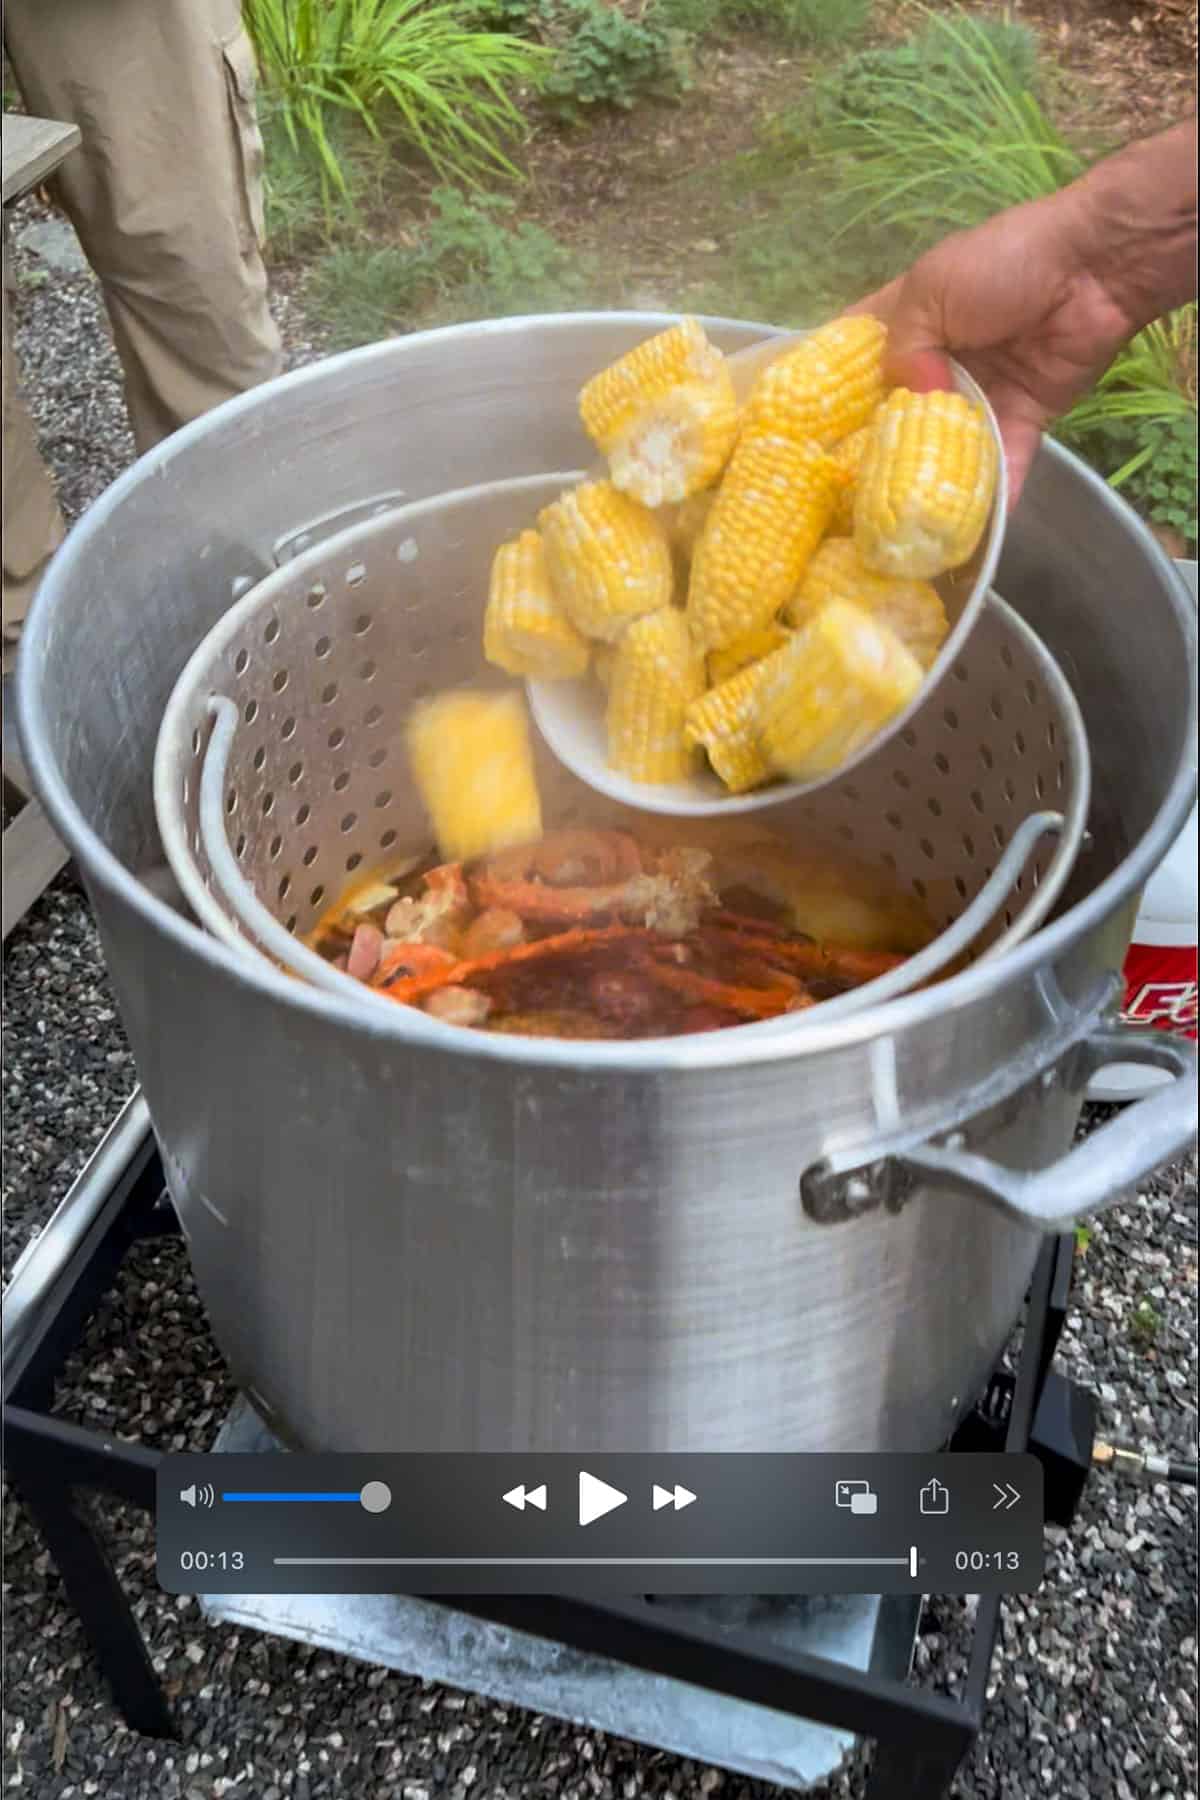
[{"x": 502, "y": 1244}]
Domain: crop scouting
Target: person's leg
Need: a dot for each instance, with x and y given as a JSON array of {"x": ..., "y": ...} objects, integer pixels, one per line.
[
  {"x": 165, "y": 191},
  {"x": 33, "y": 525}
]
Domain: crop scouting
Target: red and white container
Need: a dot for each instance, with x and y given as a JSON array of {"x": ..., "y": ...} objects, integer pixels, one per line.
[{"x": 1160, "y": 969}]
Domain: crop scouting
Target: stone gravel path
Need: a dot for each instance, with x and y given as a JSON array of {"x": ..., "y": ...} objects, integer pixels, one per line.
[{"x": 1094, "y": 1693}]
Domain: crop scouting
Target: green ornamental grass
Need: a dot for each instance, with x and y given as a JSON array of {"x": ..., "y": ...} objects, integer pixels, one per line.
[{"x": 418, "y": 70}]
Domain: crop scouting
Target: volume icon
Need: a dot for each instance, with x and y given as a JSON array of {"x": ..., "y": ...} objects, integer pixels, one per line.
[{"x": 198, "y": 1496}]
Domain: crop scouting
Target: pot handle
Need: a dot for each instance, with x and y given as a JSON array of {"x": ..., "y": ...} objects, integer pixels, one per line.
[{"x": 1090, "y": 1176}]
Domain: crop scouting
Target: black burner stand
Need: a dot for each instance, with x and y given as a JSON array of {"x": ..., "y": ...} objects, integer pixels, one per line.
[{"x": 920, "y": 1737}]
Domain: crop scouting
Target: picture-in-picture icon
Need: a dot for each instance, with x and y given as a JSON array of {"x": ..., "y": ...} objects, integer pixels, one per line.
[{"x": 856, "y": 1497}]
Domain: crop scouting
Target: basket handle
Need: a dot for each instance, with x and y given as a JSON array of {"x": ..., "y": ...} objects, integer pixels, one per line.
[
  {"x": 248, "y": 910},
  {"x": 952, "y": 942}
]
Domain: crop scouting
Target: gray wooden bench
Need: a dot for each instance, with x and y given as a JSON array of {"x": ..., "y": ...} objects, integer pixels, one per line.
[{"x": 33, "y": 855}]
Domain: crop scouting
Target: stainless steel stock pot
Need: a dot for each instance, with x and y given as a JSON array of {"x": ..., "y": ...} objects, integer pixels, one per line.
[{"x": 722, "y": 1243}]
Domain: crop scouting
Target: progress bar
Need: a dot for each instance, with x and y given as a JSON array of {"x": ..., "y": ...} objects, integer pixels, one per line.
[
  {"x": 909, "y": 1562},
  {"x": 345, "y": 1499}
]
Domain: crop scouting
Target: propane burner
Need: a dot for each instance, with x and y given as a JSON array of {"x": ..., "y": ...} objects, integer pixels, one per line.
[{"x": 764, "y": 1688}]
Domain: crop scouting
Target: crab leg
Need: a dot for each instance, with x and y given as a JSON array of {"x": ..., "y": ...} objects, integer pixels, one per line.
[
  {"x": 548, "y": 881},
  {"x": 838, "y": 962},
  {"x": 457, "y": 974},
  {"x": 547, "y": 905},
  {"x": 398, "y": 962},
  {"x": 751, "y": 1003}
]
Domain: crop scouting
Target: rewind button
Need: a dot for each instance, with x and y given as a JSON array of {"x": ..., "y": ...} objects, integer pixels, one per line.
[{"x": 521, "y": 1497}]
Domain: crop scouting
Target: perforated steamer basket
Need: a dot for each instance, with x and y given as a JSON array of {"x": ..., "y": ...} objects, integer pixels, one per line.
[{"x": 281, "y": 779}]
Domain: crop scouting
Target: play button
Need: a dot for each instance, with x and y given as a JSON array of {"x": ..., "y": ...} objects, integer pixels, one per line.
[{"x": 596, "y": 1498}]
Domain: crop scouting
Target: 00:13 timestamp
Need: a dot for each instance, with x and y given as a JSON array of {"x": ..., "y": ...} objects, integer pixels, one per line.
[{"x": 196, "y": 1561}]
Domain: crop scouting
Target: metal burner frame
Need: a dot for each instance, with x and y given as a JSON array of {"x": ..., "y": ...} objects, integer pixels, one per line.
[{"x": 120, "y": 1200}]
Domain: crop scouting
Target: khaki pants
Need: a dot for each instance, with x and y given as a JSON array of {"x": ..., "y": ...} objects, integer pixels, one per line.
[{"x": 165, "y": 195}]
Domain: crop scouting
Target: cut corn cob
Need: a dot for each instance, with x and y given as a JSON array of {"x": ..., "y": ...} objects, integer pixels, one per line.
[
  {"x": 603, "y": 658},
  {"x": 656, "y": 673},
  {"x": 848, "y": 456},
  {"x": 748, "y": 649},
  {"x": 689, "y": 521},
  {"x": 829, "y": 691},
  {"x": 927, "y": 481},
  {"x": 825, "y": 387},
  {"x": 770, "y": 513},
  {"x": 725, "y": 723},
  {"x": 609, "y": 559},
  {"x": 912, "y": 609},
  {"x": 472, "y": 763},
  {"x": 525, "y": 631},
  {"x": 665, "y": 415}
]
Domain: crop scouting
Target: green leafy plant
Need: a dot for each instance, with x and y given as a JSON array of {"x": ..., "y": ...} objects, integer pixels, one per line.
[
  {"x": 298, "y": 216},
  {"x": 415, "y": 70},
  {"x": 1139, "y": 423},
  {"x": 812, "y": 24},
  {"x": 938, "y": 133},
  {"x": 1145, "y": 1322},
  {"x": 472, "y": 260},
  {"x": 601, "y": 56},
  {"x": 898, "y": 146}
]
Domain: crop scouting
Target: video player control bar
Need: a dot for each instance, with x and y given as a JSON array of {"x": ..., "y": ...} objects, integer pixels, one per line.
[{"x": 444, "y": 1524}]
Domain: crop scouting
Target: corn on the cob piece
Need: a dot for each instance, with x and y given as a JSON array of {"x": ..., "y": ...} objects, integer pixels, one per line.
[
  {"x": 912, "y": 609},
  {"x": 689, "y": 521},
  {"x": 927, "y": 480},
  {"x": 603, "y": 658},
  {"x": 472, "y": 763},
  {"x": 656, "y": 674},
  {"x": 609, "y": 559},
  {"x": 848, "y": 455},
  {"x": 725, "y": 723},
  {"x": 525, "y": 631},
  {"x": 665, "y": 415},
  {"x": 770, "y": 513},
  {"x": 748, "y": 649},
  {"x": 829, "y": 691},
  {"x": 825, "y": 387}
]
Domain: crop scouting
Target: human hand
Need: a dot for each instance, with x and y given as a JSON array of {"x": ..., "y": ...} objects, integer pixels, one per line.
[
  {"x": 1036, "y": 302},
  {"x": 1015, "y": 303}
]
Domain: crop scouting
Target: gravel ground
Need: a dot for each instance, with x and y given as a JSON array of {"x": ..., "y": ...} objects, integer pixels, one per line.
[{"x": 1095, "y": 1689}]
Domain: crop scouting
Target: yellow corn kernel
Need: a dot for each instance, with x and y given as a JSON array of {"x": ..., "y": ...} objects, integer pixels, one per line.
[
  {"x": 830, "y": 690},
  {"x": 665, "y": 415},
  {"x": 770, "y": 513},
  {"x": 609, "y": 559},
  {"x": 848, "y": 455},
  {"x": 926, "y": 484},
  {"x": 525, "y": 631},
  {"x": 825, "y": 387},
  {"x": 689, "y": 521},
  {"x": 912, "y": 609},
  {"x": 725, "y": 724},
  {"x": 603, "y": 658},
  {"x": 656, "y": 673},
  {"x": 748, "y": 649},
  {"x": 472, "y": 763}
]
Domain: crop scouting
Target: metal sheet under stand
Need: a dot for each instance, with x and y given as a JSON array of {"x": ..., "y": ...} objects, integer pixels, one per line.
[{"x": 418, "y": 1638}]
